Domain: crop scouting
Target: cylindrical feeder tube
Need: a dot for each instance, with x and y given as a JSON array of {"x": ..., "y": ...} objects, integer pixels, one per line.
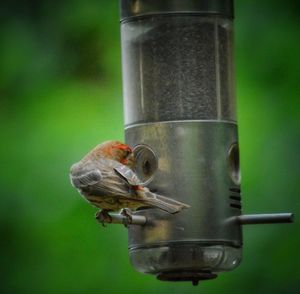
[{"x": 180, "y": 116}]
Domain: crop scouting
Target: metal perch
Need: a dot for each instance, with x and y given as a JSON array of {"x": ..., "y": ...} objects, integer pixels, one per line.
[
  {"x": 122, "y": 219},
  {"x": 272, "y": 218}
]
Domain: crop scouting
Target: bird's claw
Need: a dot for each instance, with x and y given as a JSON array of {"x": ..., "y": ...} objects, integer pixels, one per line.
[
  {"x": 103, "y": 217},
  {"x": 128, "y": 216}
]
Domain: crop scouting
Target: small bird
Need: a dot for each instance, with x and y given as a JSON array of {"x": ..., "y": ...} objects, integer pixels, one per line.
[{"x": 106, "y": 179}]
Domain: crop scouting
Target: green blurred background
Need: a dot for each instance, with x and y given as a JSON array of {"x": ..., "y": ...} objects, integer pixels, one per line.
[{"x": 60, "y": 86}]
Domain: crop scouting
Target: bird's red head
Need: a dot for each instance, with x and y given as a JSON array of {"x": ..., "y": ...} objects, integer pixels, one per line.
[{"x": 114, "y": 150}]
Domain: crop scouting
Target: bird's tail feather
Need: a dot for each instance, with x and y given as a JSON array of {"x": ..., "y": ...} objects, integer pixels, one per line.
[{"x": 165, "y": 203}]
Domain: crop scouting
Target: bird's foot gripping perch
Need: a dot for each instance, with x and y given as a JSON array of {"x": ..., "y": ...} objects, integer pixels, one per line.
[
  {"x": 103, "y": 217},
  {"x": 128, "y": 216}
]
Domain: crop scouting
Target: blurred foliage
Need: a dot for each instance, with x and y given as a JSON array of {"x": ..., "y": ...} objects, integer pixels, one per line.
[{"x": 60, "y": 87}]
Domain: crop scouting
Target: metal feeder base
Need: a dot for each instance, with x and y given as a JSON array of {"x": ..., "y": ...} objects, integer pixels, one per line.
[{"x": 192, "y": 276}]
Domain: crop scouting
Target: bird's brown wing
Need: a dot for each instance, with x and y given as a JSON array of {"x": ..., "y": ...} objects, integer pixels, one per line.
[
  {"x": 110, "y": 184},
  {"x": 85, "y": 178}
]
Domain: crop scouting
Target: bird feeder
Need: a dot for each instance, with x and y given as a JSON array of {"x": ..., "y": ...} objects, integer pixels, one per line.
[{"x": 180, "y": 117}]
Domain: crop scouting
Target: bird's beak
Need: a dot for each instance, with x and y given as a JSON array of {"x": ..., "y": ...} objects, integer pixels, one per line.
[{"x": 129, "y": 160}]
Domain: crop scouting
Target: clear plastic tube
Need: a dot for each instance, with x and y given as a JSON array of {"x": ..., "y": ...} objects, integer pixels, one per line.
[{"x": 178, "y": 67}]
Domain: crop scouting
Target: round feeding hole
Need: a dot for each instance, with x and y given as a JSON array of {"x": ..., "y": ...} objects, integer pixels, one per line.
[
  {"x": 146, "y": 163},
  {"x": 146, "y": 167},
  {"x": 234, "y": 164}
]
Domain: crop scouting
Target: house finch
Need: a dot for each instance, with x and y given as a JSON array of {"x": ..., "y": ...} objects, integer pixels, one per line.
[{"x": 106, "y": 179}]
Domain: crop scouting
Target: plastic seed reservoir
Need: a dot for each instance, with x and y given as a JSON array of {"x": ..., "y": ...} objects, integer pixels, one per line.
[{"x": 178, "y": 67}]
